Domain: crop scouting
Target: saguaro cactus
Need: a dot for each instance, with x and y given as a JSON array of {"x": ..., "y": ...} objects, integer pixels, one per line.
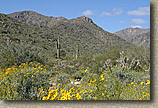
[
  {"x": 58, "y": 48},
  {"x": 77, "y": 52}
]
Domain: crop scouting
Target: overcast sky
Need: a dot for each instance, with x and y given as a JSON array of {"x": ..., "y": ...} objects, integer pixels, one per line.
[{"x": 111, "y": 15}]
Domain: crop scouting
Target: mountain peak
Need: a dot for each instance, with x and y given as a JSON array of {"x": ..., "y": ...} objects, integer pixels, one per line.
[
  {"x": 32, "y": 17},
  {"x": 134, "y": 29},
  {"x": 24, "y": 13},
  {"x": 136, "y": 35},
  {"x": 84, "y": 18}
]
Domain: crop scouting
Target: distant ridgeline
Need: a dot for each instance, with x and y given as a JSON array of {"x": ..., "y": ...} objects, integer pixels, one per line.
[
  {"x": 137, "y": 36},
  {"x": 28, "y": 36}
]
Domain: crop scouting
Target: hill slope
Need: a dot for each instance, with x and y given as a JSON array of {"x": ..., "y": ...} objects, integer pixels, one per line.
[
  {"x": 137, "y": 36},
  {"x": 79, "y": 32},
  {"x": 25, "y": 38}
]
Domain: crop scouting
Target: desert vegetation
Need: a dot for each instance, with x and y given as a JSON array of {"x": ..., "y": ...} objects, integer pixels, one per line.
[
  {"x": 68, "y": 60},
  {"x": 113, "y": 76}
]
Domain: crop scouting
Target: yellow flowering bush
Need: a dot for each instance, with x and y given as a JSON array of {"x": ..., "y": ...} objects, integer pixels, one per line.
[
  {"x": 33, "y": 81},
  {"x": 21, "y": 82}
]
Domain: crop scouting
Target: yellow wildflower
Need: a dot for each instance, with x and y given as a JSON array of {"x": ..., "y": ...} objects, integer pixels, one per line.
[
  {"x": 103, "y": 94},
  {"x": 78, "y": 96},
  {"x": 132, "y": 83},
  {"x": 102, "y": 75},
  {"x": 95, "y": 98},
  {"x": 148, "y": 82},
  {"x": 44, "y": 98},
  {"x": 142, "y": 83}
]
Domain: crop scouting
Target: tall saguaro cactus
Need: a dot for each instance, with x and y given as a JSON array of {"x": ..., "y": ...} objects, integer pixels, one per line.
[
  {"x": 77, "y": 52},
  {"x": 58, "y": 48}
]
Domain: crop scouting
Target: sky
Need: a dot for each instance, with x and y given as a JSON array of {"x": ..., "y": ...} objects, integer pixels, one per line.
[{"x": 111, "y": 15}]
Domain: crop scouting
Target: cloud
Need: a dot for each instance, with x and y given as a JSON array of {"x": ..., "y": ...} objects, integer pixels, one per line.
[
  {"x": 138, "y": 21},
  {"x": 117, "y": 11},
  {"x": 142, "y": 11},
  {"x": 106, "y": 14},
  {"x": 88, "y": 12},
  {"x": 136, "y": 26}
]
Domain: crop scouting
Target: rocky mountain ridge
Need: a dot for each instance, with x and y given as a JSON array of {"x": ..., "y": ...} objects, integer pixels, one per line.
[{"x": 137, "y": 36}]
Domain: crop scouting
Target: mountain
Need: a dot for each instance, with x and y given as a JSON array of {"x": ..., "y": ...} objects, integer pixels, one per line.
[
  {"x": 137, "y": 36},
  {"x": 31, "y": 17},
  {"x": 27, "y": 36},
  {"x": 80, "y": 32}
]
